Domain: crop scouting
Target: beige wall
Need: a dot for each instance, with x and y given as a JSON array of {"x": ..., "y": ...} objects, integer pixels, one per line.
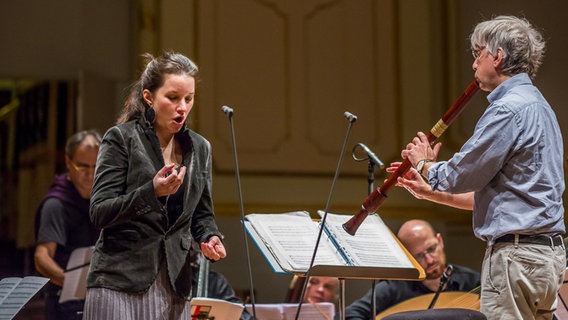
[{"x": 289, "y": 69}]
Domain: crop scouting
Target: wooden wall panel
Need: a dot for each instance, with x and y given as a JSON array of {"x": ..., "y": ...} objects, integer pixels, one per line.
[{"x": 290, "y": 69}]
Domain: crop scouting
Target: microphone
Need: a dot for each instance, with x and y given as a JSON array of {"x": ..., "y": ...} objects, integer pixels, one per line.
[
  {"x": 372, "y": 157},
  {"x": 445, "y": 277},
  {"x": 351, "y": 117},
  {"x": 227, "y": 110}
]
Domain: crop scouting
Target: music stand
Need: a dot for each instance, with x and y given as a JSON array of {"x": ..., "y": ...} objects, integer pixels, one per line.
[
  {"x": 343, "y": 272},
  {"x": 365, "y": 273}
]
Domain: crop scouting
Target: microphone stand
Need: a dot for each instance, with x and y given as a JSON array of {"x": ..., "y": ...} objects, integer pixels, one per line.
[
  {"x": 203, "y": 277},
  {"x": 229, "y": 112},
  {"x": 370, "y": 181},
  {"x": 371, "y": 177},
  {"x": 370, "y": 188},
  {"x": 351, "y": 118}
]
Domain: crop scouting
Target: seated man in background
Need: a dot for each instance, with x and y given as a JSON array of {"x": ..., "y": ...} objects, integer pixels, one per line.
[
  {"x": 63, "y": 223},
  {"x": 427, "y": 247}
]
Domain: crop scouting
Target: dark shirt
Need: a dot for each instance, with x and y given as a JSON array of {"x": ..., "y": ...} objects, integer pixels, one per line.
[
  {"x": 391, "y": 292},
  {"x": 63, "y": 218},
  {"x": 66, "y": 226}
]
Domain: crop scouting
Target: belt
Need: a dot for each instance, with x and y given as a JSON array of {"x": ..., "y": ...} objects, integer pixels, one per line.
[{"x": 532, "y": 239}]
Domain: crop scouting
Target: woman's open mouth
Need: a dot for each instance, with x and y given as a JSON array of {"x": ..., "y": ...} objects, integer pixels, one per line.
[{"x": 179, "y": 120}]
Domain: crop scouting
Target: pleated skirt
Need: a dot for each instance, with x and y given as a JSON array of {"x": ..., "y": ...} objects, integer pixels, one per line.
[{"x": 158, "y": 303}]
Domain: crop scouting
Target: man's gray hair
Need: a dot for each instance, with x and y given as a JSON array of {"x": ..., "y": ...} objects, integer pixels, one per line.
[{"x": 522, "y": 45}]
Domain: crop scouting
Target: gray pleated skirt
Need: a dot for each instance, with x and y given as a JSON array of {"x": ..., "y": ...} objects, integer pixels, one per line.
[{"x": 159, "y": 302}]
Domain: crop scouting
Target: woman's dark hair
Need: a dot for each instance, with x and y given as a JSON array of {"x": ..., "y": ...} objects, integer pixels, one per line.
[{"x": 152, "y": 78}]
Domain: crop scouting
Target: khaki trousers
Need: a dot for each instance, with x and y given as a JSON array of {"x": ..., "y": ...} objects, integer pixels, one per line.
[{"x": 521, "y": 281}]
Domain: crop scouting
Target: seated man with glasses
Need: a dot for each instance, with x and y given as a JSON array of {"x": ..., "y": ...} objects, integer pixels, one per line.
[
  {"x": 427, "y": 247},
  {"x": 63, "y": 223}
]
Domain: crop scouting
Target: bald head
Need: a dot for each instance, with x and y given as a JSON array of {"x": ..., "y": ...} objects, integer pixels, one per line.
[
  {"x": 414, "y": 231},
  {"x": 427, "y": 246}
]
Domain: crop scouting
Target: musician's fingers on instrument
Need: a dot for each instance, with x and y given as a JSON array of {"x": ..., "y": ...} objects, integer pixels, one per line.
[
  {"x": 393, "y": 166},
  {"x": 437, "y": 147},
  {"x": 398, "y": 183}
]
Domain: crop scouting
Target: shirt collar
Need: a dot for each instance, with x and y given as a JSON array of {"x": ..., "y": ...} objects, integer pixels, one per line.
[{"x": 505, "y": 86}]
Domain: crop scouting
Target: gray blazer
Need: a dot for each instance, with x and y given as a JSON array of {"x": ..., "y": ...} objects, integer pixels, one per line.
[{"x": 135, "y": 238}]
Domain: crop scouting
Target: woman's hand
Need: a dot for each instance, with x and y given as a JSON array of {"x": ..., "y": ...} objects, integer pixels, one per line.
[
  {"x": 168, "y": 180},
  {"x": 213, "y": 248}
]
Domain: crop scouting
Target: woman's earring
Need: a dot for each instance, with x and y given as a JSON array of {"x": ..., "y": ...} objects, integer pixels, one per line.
[{"x": 150, "y": 114}]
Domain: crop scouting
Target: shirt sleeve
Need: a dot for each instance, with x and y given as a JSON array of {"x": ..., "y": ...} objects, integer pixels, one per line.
[
  {"x": 52, "y": 223},
  {"x": 111, "y": 202},
  {"x": 481, "y": 157},
  {"x": 203, "y": 220}
]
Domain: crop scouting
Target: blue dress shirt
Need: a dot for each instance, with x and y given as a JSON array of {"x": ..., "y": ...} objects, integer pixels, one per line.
[{"x": 513, "y": 163}]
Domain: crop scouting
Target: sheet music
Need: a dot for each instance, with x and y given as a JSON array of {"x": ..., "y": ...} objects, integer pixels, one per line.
[
  {"x": 312, "y": 311},
  {"x": 266, "y": 311},
  {"x": 75, "y": 283},
  {"x": 292, "y": 236},
  {"x": 287, "y": 311},
  {"x": 384, "y": 251},
  {"x": 6, "y": 286},
  {"x": 16, "y": 292}
]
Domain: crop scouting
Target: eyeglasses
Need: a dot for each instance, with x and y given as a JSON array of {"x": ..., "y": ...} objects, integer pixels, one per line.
[
  {"x": 82, "y": 168},
  {"x": 431, "y": 251},
  {"x": 476, "y": 53}
]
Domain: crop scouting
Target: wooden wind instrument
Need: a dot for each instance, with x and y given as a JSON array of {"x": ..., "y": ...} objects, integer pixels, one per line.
[{"x": 376, "y": 198}]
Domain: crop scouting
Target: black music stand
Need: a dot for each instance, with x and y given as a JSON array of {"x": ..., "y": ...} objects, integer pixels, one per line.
[
  {"x": 365, "y": 273},
  {"x": 343, "y": 272}
]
